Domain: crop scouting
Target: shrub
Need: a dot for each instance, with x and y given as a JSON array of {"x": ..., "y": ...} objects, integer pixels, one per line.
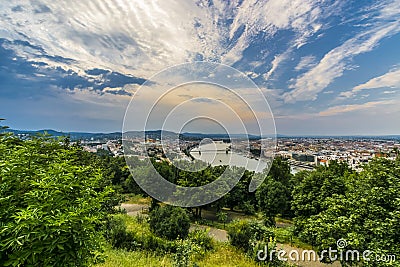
[
  {"x": 169, "y": 222},
  {"x": 248, "y": 208},
  {"x": 202, "y": 239},
  {"x": 243, "y": 233},
  {"x": 182, "y": 255},
  {"x": 269, "y": 256},
  {"x": 51, "y": 205},
  {"x": 120, "y": 237}
]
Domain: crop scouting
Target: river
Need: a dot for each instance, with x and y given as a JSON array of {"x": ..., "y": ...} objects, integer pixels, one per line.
[{"x": 215, "y": 154}]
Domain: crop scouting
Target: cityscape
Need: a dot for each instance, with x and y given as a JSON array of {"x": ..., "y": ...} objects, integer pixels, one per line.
[{"x": 303, "y": 153}]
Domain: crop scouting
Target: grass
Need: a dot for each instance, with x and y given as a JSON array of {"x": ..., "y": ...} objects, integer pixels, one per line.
[
  {"x": 137, "y": 199},
  {"x": 285, "y": 236},
  {"x": 133, "y": 224},
  {"x": 211, "y": 223},
  {"x": 121, "y": 258},
  {"x": 223, "y": 255}
]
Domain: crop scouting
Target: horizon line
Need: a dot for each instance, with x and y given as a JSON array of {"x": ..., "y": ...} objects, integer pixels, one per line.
[{"x": 277, "y": 135}]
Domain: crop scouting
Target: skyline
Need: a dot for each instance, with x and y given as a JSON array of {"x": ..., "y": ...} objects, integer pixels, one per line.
[
  {"x": 326, "y": 67},
  {"x": 204, "y": 134}
]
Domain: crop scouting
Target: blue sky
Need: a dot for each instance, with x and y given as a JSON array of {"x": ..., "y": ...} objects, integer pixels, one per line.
[{"x": 326, "y": 67}]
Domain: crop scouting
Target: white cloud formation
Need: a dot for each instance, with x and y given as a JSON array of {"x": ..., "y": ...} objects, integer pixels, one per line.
[
  {"x": 390, "y": 79},
  {"x": 125, "y": 36},
  {"x": 275, "y": 63},
  {"x": 267, "y": 17},
  {"x": 371, "y": 107},
  {"x": 144, "y": 36},
  {"x": 335, "y": 62},
  {"x": 355, "y": 107},
  {"x": 306, "y": 63}
]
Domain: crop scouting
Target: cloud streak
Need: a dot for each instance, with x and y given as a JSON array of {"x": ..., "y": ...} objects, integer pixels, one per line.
[
  {"x": 335, "y": 62},
  {"x": 142, "y": 37},
  {"x": 354, "y": 107},
  {"x": 390, "y": 79}
]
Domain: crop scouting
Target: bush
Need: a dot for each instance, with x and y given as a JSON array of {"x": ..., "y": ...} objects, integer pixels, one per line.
[
  {"x": 248, "y": 208},
  {"x": 52, "y": 204},
  {"x": 202, "y": 239},
  {"x": 170, "y": 222},
  {"x": 120, "y": 237},
  {"x": 253, "y": 236},
  {"x": 243, "y": 233},
  {"x": 269, "y": 256},
  {"x": 183, "y": 254}
]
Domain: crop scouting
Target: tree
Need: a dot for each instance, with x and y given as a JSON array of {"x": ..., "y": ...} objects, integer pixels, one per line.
[
  {"x": 273, "y": 199},
  {"x": 51, "y": 205},
  {"x": 280, "y": 171},
  {"x": 169, "y": 222},
  {"x": 274, "y": 195},
  {"x": 240, "y": 196},
  {"x": 366, "y": 215},
  {"x": 314, "y": 187}
]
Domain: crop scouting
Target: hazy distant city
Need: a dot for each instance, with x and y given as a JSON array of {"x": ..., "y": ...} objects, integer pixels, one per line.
[{"x": 303, "y": 153}]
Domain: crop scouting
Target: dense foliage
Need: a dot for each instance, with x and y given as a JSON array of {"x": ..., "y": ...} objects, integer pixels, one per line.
[
  {"x": 119, "y": 236},
  {"x": 242, "y": 233},
  {"x": 362, "y": 208},
  {"x": 169, "y": 222},
  {"x": 52, "y": 204}
]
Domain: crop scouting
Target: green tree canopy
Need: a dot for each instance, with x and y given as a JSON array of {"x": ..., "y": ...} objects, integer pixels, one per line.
[
  {"x": 365, "y": 212},
  {"x": 51, "y": 204}
]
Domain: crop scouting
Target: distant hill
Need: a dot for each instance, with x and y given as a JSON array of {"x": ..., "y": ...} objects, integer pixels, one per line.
[
  {"x": 156, "y": 134},
  {"x": 72, "y": 135}
]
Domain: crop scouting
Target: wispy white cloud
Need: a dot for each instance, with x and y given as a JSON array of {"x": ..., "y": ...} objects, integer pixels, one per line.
[
  {"x": 367, "y": 107},
  {"x": 275, "y": 63},
  {"x": 390, "y": 79},
  {"x": 334, "y": 63},
  {"x": 306, "y": 63},
  {"x": 142, "y": 37},
  {"x": 303, "y": 18},
  {"x": 355, "y": 107}
]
